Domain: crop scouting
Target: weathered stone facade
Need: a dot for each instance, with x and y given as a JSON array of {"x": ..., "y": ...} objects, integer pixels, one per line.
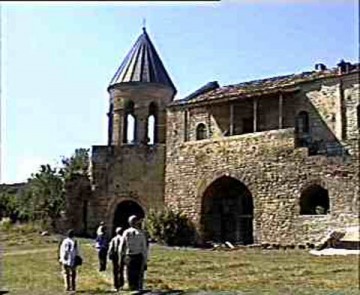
[{"x": 269, "y": 161}]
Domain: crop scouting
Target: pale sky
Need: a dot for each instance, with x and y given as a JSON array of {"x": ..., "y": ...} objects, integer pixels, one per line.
[{"x": 57, "y": 60}]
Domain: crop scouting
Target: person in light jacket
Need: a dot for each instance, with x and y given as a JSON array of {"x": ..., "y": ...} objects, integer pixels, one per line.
[
  {"x": 134, "y": 247},
  {"x": 117, "y": 259},
  {"x": 102, "y": 245},
  {"x": 69, "y": 249}
]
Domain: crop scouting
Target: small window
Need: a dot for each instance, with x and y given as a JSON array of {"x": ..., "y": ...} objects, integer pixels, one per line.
[{"x": 201, "y": 132}]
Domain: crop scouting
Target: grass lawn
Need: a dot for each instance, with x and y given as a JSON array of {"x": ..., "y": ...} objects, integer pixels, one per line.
[{"x": 29, "y": 266}]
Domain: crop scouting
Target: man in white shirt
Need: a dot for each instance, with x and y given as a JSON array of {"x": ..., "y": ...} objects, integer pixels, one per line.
[
  {"x": 134, "y": 247},
  {"x": 117, "y": 259},
  {"x": 68, "y": 251}
]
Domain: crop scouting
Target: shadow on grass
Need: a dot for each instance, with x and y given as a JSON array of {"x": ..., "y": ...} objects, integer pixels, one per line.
[{"x": 143, "y": 292}]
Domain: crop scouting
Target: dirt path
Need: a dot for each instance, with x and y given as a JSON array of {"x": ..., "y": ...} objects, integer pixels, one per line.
[{"x": 27, "y": 251}]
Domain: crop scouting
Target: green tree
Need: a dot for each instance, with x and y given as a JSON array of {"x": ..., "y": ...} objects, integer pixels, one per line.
[
  {"x": 78, "y": 163},
  {"x": 45, "y": 194},
  {"x": 9, "y": 205}
]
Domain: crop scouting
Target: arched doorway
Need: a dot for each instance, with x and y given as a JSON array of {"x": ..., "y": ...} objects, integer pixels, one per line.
[
  {"x": 123, "y": 211},
  {"x": 227, "y": 212}
]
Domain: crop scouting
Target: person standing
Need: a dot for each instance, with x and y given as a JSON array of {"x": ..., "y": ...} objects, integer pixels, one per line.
[
  {"x": 102, "y": 247},
  {"x": 134, "y": 246},
  {"x": 69, "y": 249},
  {"x": 100, "y": 228},
  {"x": 117, "y": 259}
]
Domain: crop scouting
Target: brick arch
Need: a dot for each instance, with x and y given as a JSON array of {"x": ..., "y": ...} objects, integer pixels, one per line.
[
  {"x": 113, "y": 205},
  {"x": 214, "y": 213},
  {"x": 209, "y": 178},
  {"x": 314, "y": 181}
]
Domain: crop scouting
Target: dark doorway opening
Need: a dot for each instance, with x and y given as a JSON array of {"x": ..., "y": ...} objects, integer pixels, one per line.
[
  {"x": 227, "y": 212},
  {"x": 122, "y": 213},
  {"x": 314, "y": 201},
  {"x": 248, "y": 125}
]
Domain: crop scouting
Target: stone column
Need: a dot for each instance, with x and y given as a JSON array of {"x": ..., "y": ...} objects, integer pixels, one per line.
[
  {"x": 118, "y": 126},
  {"x": 160, "y": 126},
  {"x": 141, "y": 116},
  {"x": 340, "y": 123}
]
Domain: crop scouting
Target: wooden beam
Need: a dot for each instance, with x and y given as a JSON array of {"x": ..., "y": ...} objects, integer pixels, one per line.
[
  {"x": 186, "y": 125},
  {"x": 255, "y": 113},
  {"x": 281, "y": 110},
  {"x": 231, "y": 119}
]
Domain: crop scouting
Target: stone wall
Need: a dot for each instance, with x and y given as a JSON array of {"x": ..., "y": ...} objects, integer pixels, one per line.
[
  {"x": 130, "y": 171},
  {"x": 126, "y": 173},
  {"x": 272, "y": 168},
  {"x": 78, "y": 195}
]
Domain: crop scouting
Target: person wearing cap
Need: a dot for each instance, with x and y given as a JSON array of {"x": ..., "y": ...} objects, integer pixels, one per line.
[
  {"x": 134, "y": 247},
  {"x": 117, "y": 259},
  {"x": 69, "y": 249}
]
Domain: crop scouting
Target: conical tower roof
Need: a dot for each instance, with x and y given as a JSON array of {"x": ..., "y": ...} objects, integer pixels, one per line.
[{"x": 142, "y": 64}]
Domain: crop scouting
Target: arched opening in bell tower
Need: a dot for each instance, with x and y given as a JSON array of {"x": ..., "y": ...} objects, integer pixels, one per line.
[
  {"x": 129, "y": 123},
  {"x": 152, "y": 125}
]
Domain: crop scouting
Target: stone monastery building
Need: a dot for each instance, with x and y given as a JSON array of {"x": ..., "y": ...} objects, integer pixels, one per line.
[{"x": 267, "y": 161}]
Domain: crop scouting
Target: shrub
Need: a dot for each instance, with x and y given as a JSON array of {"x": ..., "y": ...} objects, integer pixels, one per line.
[
  {"x": 6, "y": 224},
  {"x": 170, "y": 228}
]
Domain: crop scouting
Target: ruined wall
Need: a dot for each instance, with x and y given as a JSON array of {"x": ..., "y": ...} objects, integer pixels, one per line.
[
  {"x": 77, "y": 195},
  {"x": 271, "y": 167}
]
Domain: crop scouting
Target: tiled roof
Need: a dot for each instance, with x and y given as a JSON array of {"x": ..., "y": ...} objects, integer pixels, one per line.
[
  {"x": 142, "y": 64},
  {"x": 258, "y": 87}
]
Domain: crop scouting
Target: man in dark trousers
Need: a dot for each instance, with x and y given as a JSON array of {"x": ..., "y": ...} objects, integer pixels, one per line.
[
  {"x": 135, "y": 248},
  {"x": 117, "y": 259},
  {"x": 102, "y": 245}
]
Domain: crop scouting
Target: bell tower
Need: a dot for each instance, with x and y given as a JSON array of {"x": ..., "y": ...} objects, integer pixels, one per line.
[
  {"x": 139, "y": 92},
  {"x": 129, "y": 177}
]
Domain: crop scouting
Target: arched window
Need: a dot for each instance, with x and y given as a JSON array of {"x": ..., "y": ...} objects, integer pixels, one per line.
[
  {"x": 302, "y": 122},
  {"x": 130, "y": 123},
  {"x": 152, "y": 124},
  {"x": 201, "y": 132},
  {"x": 314, "y": 200}
]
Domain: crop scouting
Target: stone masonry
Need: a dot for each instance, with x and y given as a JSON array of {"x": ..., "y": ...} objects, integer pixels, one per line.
[
  {"x": 268, "y": 161},
  {"x": 269, "y": 164}
]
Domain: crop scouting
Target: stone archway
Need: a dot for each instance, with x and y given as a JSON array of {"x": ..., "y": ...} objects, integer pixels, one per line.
[
  {"x": 123, "y": 211},
  {"x": 227, "y": 212}
]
